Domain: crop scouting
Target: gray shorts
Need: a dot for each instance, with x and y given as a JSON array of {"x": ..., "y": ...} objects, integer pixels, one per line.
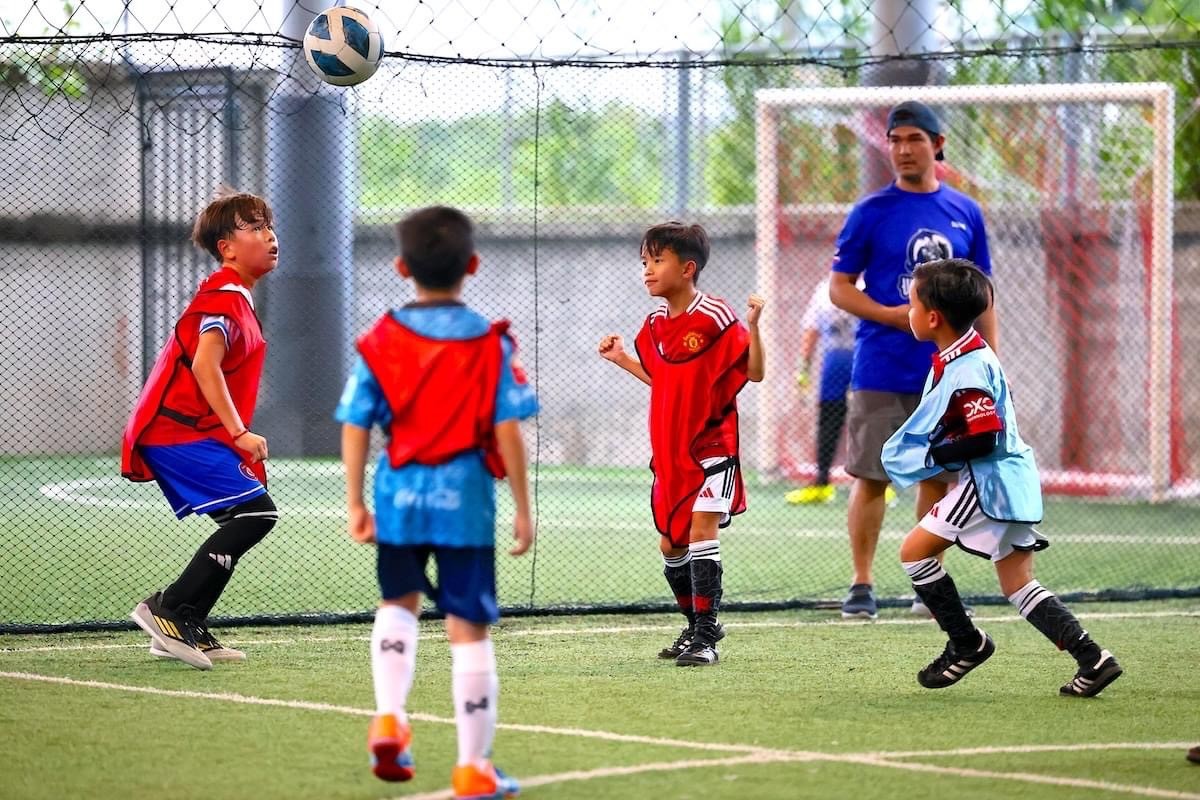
[{"x": 872, "y": 417}]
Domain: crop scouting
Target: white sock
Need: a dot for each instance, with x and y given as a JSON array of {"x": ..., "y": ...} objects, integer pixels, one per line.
[
  {"x": 476, "y": 691},
  {"x": 393, "y": 659},
  {"x": 1029, "y": 597}
]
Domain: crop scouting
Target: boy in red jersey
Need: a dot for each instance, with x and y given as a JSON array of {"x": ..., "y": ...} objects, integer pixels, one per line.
[
  {"x": 190, "y": 430},
  {"x": 696, "y": 356}
]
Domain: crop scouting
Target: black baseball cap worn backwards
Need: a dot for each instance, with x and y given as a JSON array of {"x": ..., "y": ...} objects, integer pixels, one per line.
[{"x": 918, "y": 115}]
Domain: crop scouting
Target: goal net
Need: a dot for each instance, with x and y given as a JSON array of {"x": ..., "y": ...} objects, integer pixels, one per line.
[{"x": 1075, "y": 181}]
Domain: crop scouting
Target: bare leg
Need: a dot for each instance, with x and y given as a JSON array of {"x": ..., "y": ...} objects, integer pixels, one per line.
[{"x": 864, "y": 520}]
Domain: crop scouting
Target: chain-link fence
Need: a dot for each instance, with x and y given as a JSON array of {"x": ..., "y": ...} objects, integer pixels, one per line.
[{"x": 564, "y": 136}]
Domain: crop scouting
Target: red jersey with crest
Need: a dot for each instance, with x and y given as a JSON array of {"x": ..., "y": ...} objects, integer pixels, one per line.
[
  {"x": 171, "y": 408},
  {"x": 697, "y": 364}
]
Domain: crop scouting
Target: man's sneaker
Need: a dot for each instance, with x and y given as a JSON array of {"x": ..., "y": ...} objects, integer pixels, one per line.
[
  {"x": 208, "y": 645},
  {"x": 487, "y": 783},
  {"x": 952, "y": 665},
  {"x": 676, "y": 648},
  {"x": 173, "y": 633},
  {"x": 860, "y": 603},
  {"x": 1090, "y": 682},
  {"x": 388, "y": 742},
  {"x": 811, "y": 495}
]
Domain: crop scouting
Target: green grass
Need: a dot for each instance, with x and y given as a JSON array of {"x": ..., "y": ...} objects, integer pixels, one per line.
[
  {"x": 82, "y": 544},
  {"x": 827, "y": 700}
]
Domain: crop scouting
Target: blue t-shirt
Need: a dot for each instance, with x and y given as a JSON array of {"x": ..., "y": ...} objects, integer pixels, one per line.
[
  {"x": 886, "y": 235},
  {"x": 451, "y": 504}
]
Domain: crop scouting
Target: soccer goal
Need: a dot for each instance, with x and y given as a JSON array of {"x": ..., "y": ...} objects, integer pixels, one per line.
[{"x": 1076, "y": 185}]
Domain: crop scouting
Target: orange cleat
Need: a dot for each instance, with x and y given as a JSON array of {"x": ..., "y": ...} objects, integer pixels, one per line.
[
  {"x": 473, "y": 783},
  {"x": 387, "y": 741}
]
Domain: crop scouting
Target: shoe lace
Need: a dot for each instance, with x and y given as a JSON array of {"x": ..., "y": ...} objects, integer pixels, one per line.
[
  {"x": 684, "y": 638},
  {"x": 198, "y": 630},
  {"x": 941, "y": 663}
]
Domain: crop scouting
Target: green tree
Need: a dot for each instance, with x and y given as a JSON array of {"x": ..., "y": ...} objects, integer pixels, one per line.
[{"x": 48, "y": 68}]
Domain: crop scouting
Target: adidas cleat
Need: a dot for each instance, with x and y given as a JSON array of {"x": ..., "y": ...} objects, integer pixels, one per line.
[
  {"x": 388, "y": 741},
  {"x": 952, "y": 665},
  {"x": 172, "y": 633},
  {"x": 208, "y": 644},
  {"x": 684, "y": 640},
  {"x": 698, "y": 654},
  {"x": 1090, "y": 682}
]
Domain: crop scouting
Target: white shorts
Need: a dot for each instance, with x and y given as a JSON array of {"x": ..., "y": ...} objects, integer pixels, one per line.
[
  {"x": 719, "y": 480},
  {"x": 957, "y": 517}
]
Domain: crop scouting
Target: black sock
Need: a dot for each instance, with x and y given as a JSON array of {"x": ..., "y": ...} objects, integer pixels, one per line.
[
  {"x": 706, "y": 585},
  {"x": 205, "y": 577},
  {"x": 1047, "y": 613},
  {"x": 938, "y": 592},
  {"x": 678, "y": 572}
]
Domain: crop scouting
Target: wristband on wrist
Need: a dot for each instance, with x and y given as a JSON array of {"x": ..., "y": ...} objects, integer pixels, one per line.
[{"x": 240, "y": 434}]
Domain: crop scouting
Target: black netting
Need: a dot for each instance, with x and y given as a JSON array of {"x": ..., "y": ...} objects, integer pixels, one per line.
[{"x": 565, "y": 132}]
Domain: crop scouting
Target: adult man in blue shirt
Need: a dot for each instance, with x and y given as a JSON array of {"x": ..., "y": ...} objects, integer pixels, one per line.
[{"x": 887, "y": 234}]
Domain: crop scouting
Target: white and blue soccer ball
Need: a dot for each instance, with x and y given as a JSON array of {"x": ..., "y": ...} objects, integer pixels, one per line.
[{"x": 343, "y": 46}]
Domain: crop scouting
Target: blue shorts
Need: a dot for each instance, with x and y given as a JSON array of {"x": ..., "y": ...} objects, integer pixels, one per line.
[
  {"x": 466, "y": 582},
  {"x": 201, "y": 477}
]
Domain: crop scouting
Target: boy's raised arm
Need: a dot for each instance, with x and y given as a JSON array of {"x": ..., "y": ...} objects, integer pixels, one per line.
[
  {"x": 613, "y": 349},
  {"x": 756, "y": 367}
]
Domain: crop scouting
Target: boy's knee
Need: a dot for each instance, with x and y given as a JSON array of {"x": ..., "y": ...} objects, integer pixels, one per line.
[{"x": 669, "y": 550}]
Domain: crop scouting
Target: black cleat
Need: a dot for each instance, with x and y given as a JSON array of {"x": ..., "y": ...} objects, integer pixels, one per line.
[
  {"x": 698, "y": 654},
  {"x": 174, "y": 634},
  {"x": 952, "y": 665},
  {"x": 676, "y": 649},
  {"x": 1090, "y": 682},
  {"x": 679, "y": 645}
]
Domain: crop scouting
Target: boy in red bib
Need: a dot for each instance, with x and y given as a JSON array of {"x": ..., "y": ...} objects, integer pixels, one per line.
[
  {"x": 696, "y": 356},
  {"x": 447, "y": 388},
  {"x": 190, "y": 430}
]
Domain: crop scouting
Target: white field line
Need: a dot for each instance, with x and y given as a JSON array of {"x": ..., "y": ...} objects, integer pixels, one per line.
[
  {"x": 613, "y": 772},
  {"x": 1029, "y": 777},
  {"x": 754, "y": 755},
  {"x": 76, "y": 492},
  {"x": 501, "y": 633}
]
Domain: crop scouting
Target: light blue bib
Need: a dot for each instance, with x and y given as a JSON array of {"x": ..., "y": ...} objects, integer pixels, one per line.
[{"x": 1007, "y": 480}]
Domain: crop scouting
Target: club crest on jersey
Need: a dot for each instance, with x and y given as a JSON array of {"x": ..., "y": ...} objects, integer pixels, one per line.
[
  {"x": 249, "y": 473},
  {"x": 924, "y": 246},
  {"x": 693, "y": 341}
]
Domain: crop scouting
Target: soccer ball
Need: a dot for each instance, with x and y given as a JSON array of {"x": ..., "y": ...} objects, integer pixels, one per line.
[{"x": 343, "y": 46}]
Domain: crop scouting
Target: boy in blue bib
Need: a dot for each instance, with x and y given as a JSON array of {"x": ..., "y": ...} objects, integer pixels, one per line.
[{"x": 966, "y": 421}]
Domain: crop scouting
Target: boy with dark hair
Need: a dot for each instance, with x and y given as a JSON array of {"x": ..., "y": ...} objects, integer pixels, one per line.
[
  {"x": 696, "y": 356},
  {"x": 190, "y": 429},
  {"x": 966, "y": 421},
  {"x": 445, "y": 385}
]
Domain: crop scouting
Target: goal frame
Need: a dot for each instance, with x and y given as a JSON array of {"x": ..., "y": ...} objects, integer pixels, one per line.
[{"x": 1158, "y": 96}]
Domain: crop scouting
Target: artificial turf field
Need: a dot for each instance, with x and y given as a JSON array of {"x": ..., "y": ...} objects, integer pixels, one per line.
[{"x": 800, "y": 706}]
